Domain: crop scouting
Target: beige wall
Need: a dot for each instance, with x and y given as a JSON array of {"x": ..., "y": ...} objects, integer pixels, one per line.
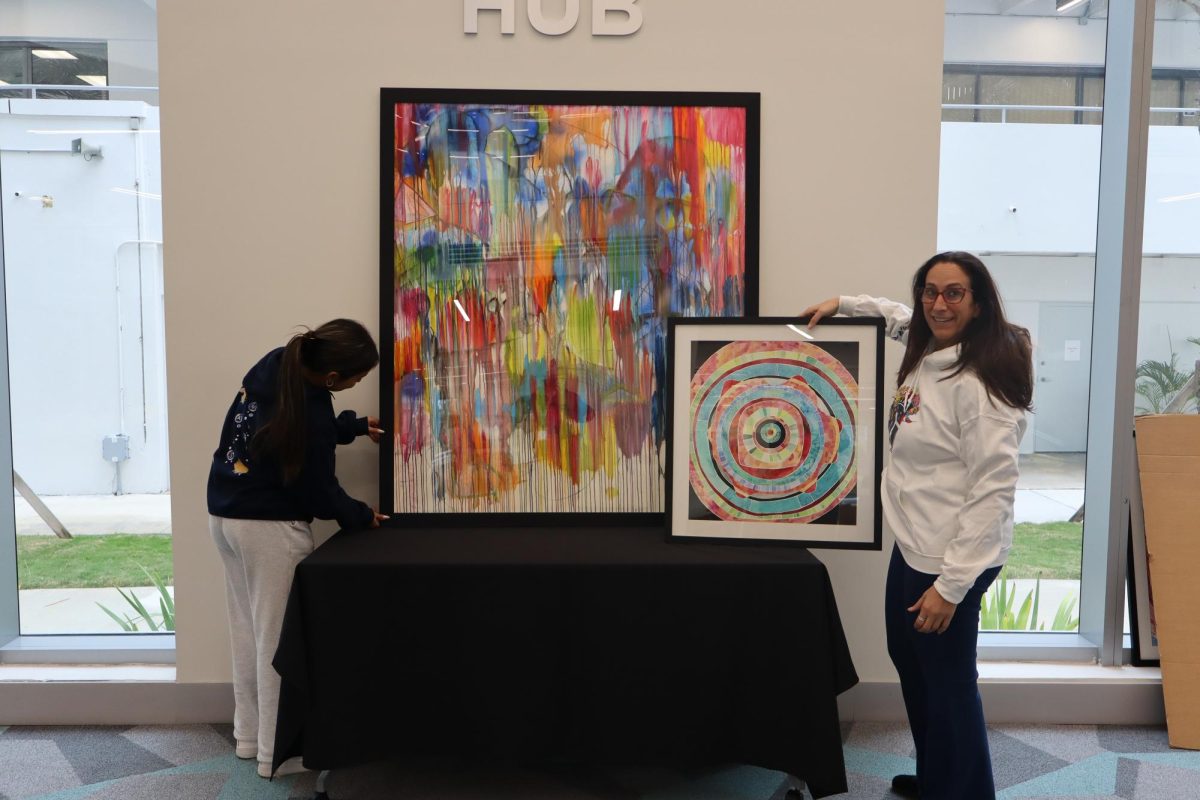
[{"x": 270, "y": 174}]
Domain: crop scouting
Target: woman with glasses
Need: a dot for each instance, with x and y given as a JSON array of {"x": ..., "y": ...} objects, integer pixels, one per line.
[{"x": 965, "y": 383}]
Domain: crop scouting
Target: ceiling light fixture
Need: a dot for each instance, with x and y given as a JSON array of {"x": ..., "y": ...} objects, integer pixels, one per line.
[
  {"x": 94, "y": 80},
  {"x": 61, "y": 55},
  {"x": 1066, "y": 5}
]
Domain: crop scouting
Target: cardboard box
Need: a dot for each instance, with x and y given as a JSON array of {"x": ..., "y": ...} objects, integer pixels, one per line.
[{"x": 1168, "y": 451}]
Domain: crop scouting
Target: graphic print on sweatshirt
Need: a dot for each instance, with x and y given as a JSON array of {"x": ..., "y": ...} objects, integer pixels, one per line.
[
  {"x": 238, "y": 454},
  {"x": 905, "y": 405}
]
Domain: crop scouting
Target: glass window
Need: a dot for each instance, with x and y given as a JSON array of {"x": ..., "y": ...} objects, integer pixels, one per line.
[
  {"x": 1025, "y": 197},
  {"x": 1093, "y": 96},
  {"x": 14, "y": 69},
  {"x": 1165, "y": 93},
  {"x": 1027, "y": 90},
  {"x": 958, "y": 89},
  {"x": 1168, "y": 346},
  {"x": 82, "y": 268},
  {"x": 1191, "y": 100},
  {"x": 70, "y": 64},
  {"x": 55, "y": 63}
]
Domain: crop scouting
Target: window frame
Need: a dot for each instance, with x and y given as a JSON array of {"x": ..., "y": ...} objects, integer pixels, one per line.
[
  {"x": 1108, "y": 470},
  {"x": 27, "y": 46}
]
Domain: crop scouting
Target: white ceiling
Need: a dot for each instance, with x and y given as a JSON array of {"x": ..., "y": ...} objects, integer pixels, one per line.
[{"x": 1165, "y": 9}]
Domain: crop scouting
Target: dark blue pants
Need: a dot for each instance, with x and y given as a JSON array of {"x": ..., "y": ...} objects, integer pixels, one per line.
[{"x": 940, "y": 685}]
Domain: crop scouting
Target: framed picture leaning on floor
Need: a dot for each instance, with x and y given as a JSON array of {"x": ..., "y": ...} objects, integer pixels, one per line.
[{"x": 775, "y": 431}]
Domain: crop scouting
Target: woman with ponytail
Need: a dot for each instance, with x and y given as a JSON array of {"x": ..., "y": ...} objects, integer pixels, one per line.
[
  {"x": 271, "y": 475},
  {"x": 966, "y": 381}
]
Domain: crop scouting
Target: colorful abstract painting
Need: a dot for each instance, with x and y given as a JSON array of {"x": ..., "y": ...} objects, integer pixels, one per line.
[
  {"x": 535, "y": 245},
  {"x": 774, "y": 437},
  {"x": 772, "y": 433}
]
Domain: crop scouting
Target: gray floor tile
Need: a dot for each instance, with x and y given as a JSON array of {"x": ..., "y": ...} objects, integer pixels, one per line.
[
  {"x": 1127, "y": 774},
  {"x": 32, "y": 767},
  {"x": 203, "y": 786},
  {"x": 1069, "y": 742},
  {"x": 96, "y": 753},
  {"x": 1014, "y": 761},
  {"x": 884, "y": 737},
  {"x": 1133, "y": 739},
  {"x": 1163, "y": 782},
  {"x": 183, "y": 744}
]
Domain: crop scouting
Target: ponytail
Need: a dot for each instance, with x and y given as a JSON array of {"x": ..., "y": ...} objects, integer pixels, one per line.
[
  {"x": 342, "y": 346},
  {"x": 284, "y": 435}
]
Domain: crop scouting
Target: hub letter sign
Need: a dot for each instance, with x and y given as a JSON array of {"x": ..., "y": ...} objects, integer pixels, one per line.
[{"x": 609, "y": 17}]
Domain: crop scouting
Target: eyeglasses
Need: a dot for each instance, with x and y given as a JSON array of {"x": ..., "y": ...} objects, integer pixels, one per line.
[{"x": 953, "y": 295}]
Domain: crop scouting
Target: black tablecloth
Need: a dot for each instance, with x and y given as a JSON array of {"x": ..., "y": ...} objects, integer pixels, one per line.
[{"x": 597, "y": 645}]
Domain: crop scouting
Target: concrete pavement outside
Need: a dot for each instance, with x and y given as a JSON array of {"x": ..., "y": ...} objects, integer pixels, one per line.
[
  {"x": 63, "y": 611},
  {"x": 72, "y": 611},
  {"x": 88, "y": 515}
]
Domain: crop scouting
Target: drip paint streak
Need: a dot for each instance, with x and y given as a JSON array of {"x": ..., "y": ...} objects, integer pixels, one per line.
[{"x": 538, "y": 251}]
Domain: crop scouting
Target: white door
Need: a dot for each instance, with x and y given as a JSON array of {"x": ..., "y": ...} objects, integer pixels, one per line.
[{"x": 1062, "y": 367}]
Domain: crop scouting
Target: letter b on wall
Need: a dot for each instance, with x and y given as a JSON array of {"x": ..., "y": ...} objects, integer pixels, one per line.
[{"x": 602, "y": 26}]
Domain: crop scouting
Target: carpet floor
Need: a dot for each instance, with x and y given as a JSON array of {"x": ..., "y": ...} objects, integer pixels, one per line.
[{"x": 196, "y": 762}]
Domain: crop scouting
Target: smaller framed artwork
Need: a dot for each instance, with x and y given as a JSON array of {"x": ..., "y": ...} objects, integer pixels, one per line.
[
  {"x": 1142, "y": 636},
  {"x": 775, "y": 432}
]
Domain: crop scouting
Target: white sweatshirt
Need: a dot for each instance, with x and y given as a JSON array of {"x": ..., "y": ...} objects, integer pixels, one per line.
[{"x": 949, "y": 489}]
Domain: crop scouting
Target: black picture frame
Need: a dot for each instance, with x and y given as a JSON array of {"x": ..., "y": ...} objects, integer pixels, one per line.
[
  {"x": 720, "y": 363},
  {"x": 681, "y": 108}
]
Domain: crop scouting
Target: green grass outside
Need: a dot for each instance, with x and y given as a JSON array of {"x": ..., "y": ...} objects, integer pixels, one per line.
[
  {"x": 1051, "y": 549},
  {"x": 92, "y": 562}
]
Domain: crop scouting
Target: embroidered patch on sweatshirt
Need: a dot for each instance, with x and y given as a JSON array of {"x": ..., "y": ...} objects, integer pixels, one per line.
[{"x": 905, "y": 405}]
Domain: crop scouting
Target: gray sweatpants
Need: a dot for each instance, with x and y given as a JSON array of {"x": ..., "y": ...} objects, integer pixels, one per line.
[{"x": 260, "y": 558}]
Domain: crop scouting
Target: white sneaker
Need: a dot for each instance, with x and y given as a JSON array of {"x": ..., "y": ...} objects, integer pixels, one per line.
[
  {"x": 246, "y": 749},
  {"x": 290, "y": 767}
]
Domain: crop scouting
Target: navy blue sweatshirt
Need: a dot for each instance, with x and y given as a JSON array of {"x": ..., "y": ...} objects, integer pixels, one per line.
[{"x": 243, "y": 487}]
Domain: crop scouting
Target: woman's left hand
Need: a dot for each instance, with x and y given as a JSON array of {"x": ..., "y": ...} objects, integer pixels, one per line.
[
  {"x": 373, "y": 429},
  {"x": 934, "y": 612}
]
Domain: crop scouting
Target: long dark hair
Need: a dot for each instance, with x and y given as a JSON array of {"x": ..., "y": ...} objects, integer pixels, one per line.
[
  {"x": 992, "y": 347},
  {"x": 340, "y": 345}
]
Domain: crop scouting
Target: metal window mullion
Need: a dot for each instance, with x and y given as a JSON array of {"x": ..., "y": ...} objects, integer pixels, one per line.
[
  {"x": 1119, "y": 222},
  {"x": 1080, "y": 81},
  {"x": 978, "y": 90},
  {"x": 10, "y": 622}
]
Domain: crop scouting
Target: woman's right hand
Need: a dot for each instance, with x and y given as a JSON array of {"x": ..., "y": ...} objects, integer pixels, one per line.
[{"x": 821, "y": 310}]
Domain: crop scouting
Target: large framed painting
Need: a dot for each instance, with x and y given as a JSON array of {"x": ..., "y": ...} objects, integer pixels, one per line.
[
  {"x": 775, "y": 431},
  {"x": 533, "y": 246}
]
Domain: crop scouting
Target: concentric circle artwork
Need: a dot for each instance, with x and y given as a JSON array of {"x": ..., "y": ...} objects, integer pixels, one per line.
[{"x": 772, "y": 434}]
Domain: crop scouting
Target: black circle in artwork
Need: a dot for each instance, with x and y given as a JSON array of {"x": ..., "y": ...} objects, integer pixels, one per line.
[{"x": 771, "y": 434}]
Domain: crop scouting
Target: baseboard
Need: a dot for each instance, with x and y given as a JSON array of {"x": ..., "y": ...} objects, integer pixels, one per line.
[
  {"x": 1075, "y": 702},
  {"x": 114, "y": 703},
  {"x": 1051, "y": 703}
]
